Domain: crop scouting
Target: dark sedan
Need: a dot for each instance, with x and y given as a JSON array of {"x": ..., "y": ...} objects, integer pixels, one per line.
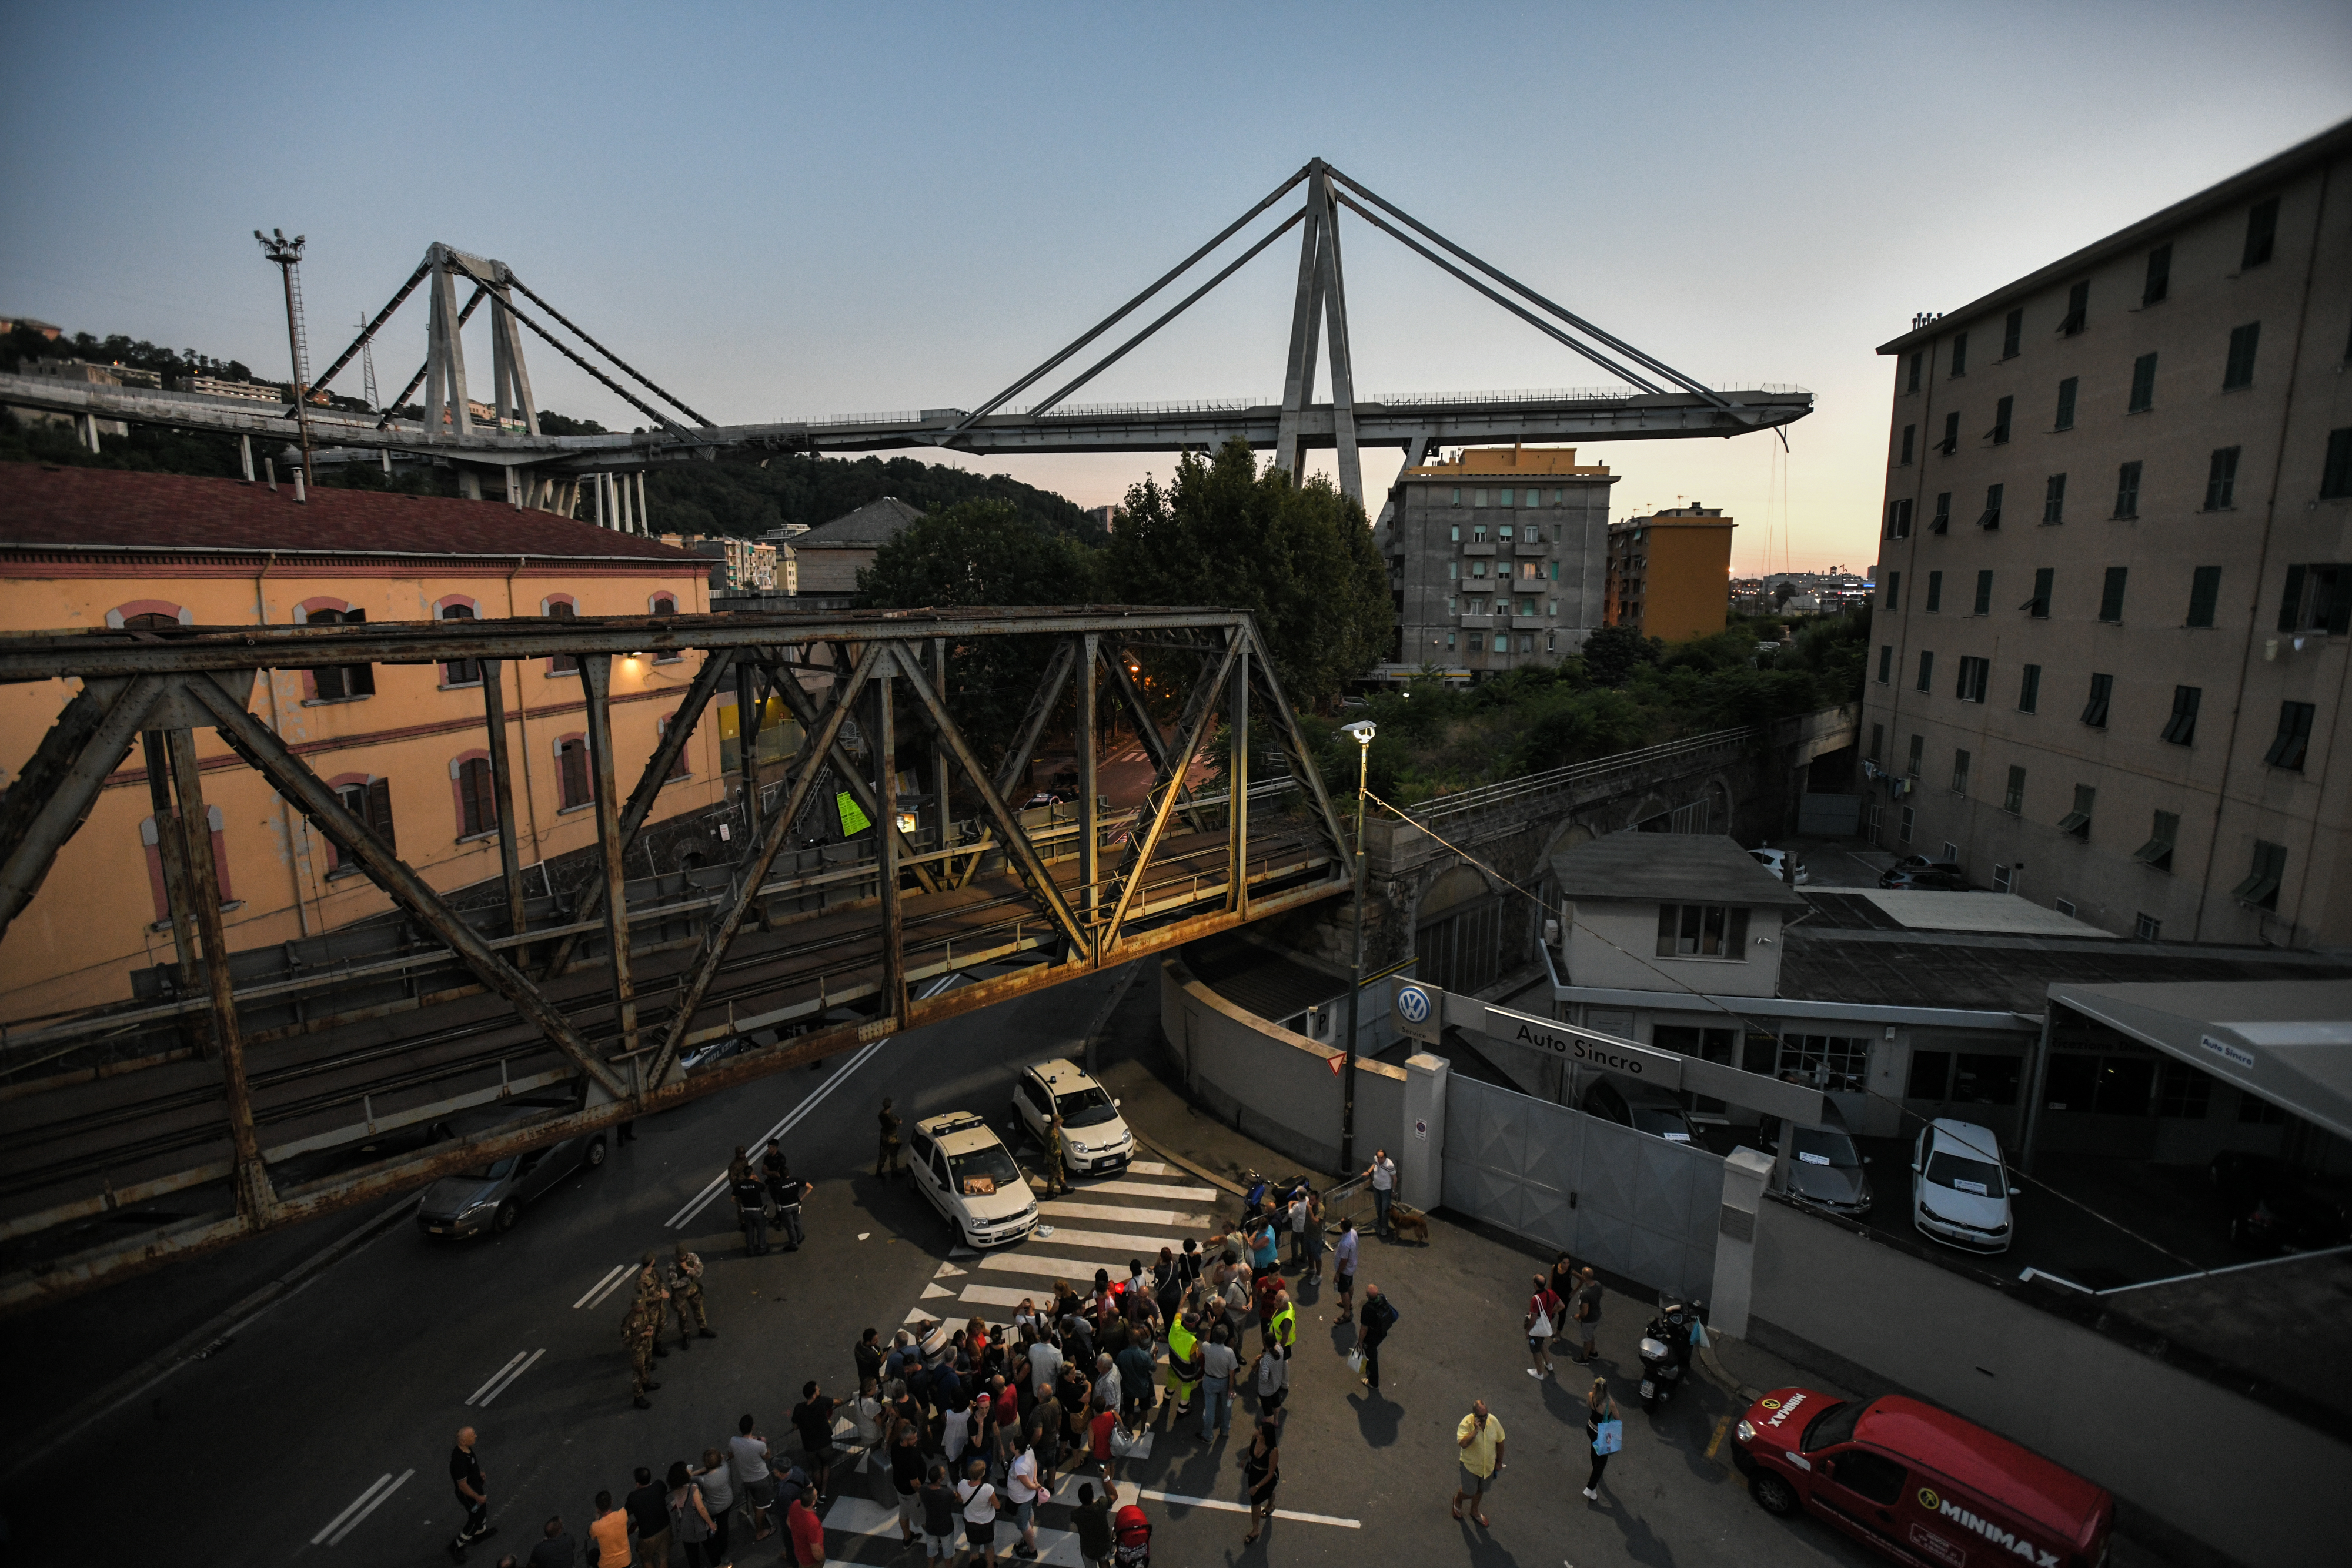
[{"x": 1936, "y": 877}]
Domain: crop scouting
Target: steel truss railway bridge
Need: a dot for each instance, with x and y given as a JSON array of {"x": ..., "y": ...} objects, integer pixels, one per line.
[
  {"x": 235, "y": 1107},
  {"x": 1648, "y": 399}
]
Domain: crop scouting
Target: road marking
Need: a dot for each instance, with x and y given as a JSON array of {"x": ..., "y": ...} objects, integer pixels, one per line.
[
  {"x": 519, "y": 1357},
  {"x": 858, "y": 1516},
  {"x": 508, "y": 1381},
  {"x": 1108, "y": 1241},
  {"x": 949, "y": 1271},
  {"x": 601, "y": 1288},
  {"x": 352, "y": 1507},
  {"x": 1151, "y": 1189},
  {"x": 931, "y": 1291},
  {"x": 702, "y": 1200},
  {"x": 989, "y": 1295},
  {"x": 1180, "y": 1218},
  {"x": 864, "y": 1234},
  {"x": 1045, "y": 1268},
  {"x": 1217, "y": 1503},
  {"x": 1152, "y": 1167},
  {"x": 1720, "y": 1428},
  {"x": 361, "y": 1518}
]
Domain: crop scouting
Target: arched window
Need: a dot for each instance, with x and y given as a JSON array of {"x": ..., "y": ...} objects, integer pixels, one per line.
[
  {"x": 664, "y": 604},
  {"x": 575, "y": 783},
  {"x": 150, "y": 620},
  {"x": 370, "y": 801},
  {"x": 338, "y": 682},
  {"x": 460, "y": 672},
  {"x": 677, "y": 768},
  {"x": 153, "y": 843},
  {"x": 148, "y": 615},
  {"x": 478, "y": 798},
  {"x": 562, "y": 609}
]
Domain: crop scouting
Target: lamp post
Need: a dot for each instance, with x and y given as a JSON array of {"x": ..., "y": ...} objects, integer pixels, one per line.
[
  {"x": 286, "y": 255},
  {"x": 1364, "y": 731}
]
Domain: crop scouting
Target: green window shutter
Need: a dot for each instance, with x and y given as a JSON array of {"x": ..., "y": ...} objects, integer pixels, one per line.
[
  {"x": 2111, "y": 593},
  {"x": 2204, "y": 590}
]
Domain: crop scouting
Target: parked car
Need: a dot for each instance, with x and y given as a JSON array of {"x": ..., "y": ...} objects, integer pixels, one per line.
[
  {"x": 1640, "y": 1106},
  {"x": 1043, "y": 799},
  {"x": 1776, "y": 862},
  {"x": 1960, "y": 1188},
  {"x": 1824, "y": 1168},
  {"x": 1918, "y": 1484},
  {"x": 1093, "y": 1136},
  {"x": 491, "y": 1198},
  {"x": 965, "y": 1171},
  {"x": 2273, "y": 1207},
  {"x": 1940, "y": 876}
]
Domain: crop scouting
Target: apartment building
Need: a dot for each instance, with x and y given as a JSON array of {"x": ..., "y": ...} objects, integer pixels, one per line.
[
  {"x": 2116, "y": 586},
  {"x": 1670, "y": 572},
  {"x": 1496, "y": 559}
]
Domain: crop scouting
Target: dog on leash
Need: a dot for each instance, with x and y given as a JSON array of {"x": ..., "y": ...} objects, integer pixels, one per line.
[{"x": 1407, "y": 1221}]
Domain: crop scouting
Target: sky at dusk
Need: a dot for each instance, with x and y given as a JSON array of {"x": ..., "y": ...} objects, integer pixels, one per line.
[{"x": 785, "y": 212}]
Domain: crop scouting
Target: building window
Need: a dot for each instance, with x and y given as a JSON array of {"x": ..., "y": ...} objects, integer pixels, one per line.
[
  {"x": 1894, "y": 590},
  {"x": 2261, "y": 234},
  {"x": 1455, "y": 499},
  {"x": 1836, "y": 1062},
  {"x": 2156, "y": 853},
  {"x": 1877, "y": 742},
  {"x": 1992, "y": 515},
  {"x": 1984, "y": 594},
  {"x": 677, "y": 768},
  {"x": 369, "y": 801},
  {"x": 2293, "y": 739},
  {"x": 1503, "y": 533},
  {"x": 1975, "y": 673},
  {"x": 2159, "y": 276},
  {"x": 2111, "y": 593},
  {"x": 154, "y": 844},
  {"x": 1942, "y": 521},
  {"x": 2078, "y": 310},
  {"x": 561, "y": 663},
  {"x": 2261, "y": 887},
  {"x": 2318, "y": 599},
  {"x": 2204, "y": 592},
  {"x": 2181, "y": 727},
  {"x": 2336, "y": 472},
  {"x": 2064, "y": 906},
  {"x": 1909, "y": 432},
  {"x": 1455, "y": 529},
  {"x": 2143, "y": 387},
  {"x": 1449, "y": 641},
  {"x": 1919, "y": 359},
  {"x": 2094, "y": 709},
  {"x": 2127, "y": 491},
  {"x": 1527, "y": 643},
  {"x": 1898, "y": 520},
  {"x": 2221, "y": 479},
  {"x": 2003, "y": 880},
  {"x": 2012, "y": 799},
  {"x": 1951, "y": 442},
  {"x": 2038, "y": 607},
  {"x": 1926, "y": 669},
  {"x": 2078, "y": 821},
  {"x": 1702, "y": 931},
  {"x": 1502, "y": 499},
  {"x": 1885, "y": 662},
  {"x": 460, "y": 672},
  {"x": 478, "y": 801},
  {"x": 1478, "y": 498},
  {"x": 2001, "y": 412},
  {"x": 2012, "y": 329},
  {"x": 1935, "y": 591},
  {"x": 2182, "y": 1093},
  {"x": 2029, "y": 689},
  {"x": 1959, "y": 771},
  {"x": 1905, "y": 823},
  {"x": 2239, "y": 369},
  {"x": 2054, "y": 499},
  {"x": 1477, "y": 642},
  {"x": 575, "y": 784},
  {"x": 2066, "y": 389},
  {"x": 1918, "y": 755},
  {"x": 339, "y": 682},
  {"x": 1453, "y": 570},
  {"x": 1960, "y": 353}
]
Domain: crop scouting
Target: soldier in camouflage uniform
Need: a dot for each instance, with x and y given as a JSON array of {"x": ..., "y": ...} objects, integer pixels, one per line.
[
  {"x": 637, "y": 1332},
  {"x": 686, "y": 1297},
  {"x": 652, "y": 1296}
]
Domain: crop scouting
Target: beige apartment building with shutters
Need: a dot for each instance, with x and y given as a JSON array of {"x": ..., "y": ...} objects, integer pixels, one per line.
[{"x": 2117, "y": 582}]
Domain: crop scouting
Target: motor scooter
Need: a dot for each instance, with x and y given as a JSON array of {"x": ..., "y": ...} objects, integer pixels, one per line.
[{"x": 1667, "y": 1349}]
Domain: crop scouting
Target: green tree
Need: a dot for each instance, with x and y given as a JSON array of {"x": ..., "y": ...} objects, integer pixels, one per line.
[
  {"x": 983, "y": 552},
  {"x": 1226, "y": 533},
  {"x": 1611, "y": 652}
]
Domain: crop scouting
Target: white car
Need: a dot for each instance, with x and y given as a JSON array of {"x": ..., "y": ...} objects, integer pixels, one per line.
[
  {"x": 968, "y": 1176},
  {"x": 1961, "y": 1187},
  {"x": 1772, "y": 860},
  {"x": 1094, "y": 1137}
]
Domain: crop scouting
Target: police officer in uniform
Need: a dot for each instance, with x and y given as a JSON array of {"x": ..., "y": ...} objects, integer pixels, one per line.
[
  {"x": 750, "y": 1205},
  {"x": 686, "y": 1297},
  {"x": 885, "y": 1159}
]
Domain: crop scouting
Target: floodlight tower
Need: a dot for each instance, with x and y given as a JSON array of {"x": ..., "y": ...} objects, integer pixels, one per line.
[{"x": 286, "y": 255}]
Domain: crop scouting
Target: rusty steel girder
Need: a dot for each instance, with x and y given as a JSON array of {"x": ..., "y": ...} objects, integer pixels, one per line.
[{"x": 803, "y": 951}]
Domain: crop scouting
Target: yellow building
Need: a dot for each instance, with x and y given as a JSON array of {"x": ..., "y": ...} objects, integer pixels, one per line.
[
  {"x": 1670, "y": 573},
  {"x": 89, "y": 547}
]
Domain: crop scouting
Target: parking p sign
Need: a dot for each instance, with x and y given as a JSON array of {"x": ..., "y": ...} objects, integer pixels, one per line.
[{"x": 1419, "y": 1009}]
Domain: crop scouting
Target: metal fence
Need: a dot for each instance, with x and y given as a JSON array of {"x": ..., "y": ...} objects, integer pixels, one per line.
[{"x": 1516, "y": 791}]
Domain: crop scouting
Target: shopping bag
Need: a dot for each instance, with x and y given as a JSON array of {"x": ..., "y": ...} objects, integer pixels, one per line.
[
  {"x": 1608, "y": 1438},
  {"x": 1355, "y": 1362},
  {"x": 1127, "y": 1444}
]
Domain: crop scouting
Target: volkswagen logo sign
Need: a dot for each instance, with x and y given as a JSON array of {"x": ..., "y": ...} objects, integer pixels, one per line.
[{"x": 1413, "y": 1004}]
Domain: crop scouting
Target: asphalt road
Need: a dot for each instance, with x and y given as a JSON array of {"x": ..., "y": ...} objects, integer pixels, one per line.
[{"x": 321, "y": 1432}]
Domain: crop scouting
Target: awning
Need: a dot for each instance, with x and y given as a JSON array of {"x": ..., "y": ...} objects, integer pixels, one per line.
[{"x": 2286, "y": 1041}]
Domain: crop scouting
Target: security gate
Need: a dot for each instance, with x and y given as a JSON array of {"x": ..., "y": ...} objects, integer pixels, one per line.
[{"x": 1637, "y": 1206}]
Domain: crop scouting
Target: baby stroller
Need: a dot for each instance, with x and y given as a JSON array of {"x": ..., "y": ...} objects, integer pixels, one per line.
[{"x": 1132, "y": 1533}]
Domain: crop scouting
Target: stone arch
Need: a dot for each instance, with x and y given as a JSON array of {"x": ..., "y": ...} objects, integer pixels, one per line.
[{"x": 1462, "y": 883}]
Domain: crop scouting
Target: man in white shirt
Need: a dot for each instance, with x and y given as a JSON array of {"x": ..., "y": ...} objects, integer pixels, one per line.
[
  {"x": 979, "y": 1501},
  {"x": 1383, "y": 1172},
  {"x": 1106, "y": 1384},
  {"x": 1020, "y": 1486},
  {"x": 1343, "y": 1263},
  {"x": 1044, "y": 1365},
  {"x": 749, "y": 1451},
  {"x": 1298, "y": 1229}
]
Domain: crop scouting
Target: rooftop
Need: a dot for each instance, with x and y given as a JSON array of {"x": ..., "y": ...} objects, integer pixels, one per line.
[
  {"x": 875, "y": 523},
  {"x": 1669, "y": 868},
  {"x": 1502, "y": 462},
  {"x": 52, "y": 509}
]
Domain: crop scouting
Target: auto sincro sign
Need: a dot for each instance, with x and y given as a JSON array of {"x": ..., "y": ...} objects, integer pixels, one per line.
[{"x": 1421, "y": 1012}]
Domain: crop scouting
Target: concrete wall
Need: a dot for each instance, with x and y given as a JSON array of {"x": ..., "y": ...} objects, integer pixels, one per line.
[
  {"x": 1273, "y": 1085},
  {"x": 2246, "y": 1481}
]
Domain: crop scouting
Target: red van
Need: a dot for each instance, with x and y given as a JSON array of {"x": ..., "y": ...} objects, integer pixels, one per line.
[{"x": 1920, "y": 1484}]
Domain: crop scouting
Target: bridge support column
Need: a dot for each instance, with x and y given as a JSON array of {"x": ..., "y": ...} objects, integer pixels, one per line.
[
  {"x": 885, "y": 846},
  {"x": 494, "y": 723},
  {"x": 596, "y": 675}
]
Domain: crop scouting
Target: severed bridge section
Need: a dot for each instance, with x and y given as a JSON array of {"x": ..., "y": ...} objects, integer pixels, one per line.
[{"x": 235, "y": 1097}]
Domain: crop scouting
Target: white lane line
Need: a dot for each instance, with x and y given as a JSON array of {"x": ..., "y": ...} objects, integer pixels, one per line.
[
  {"x": 351, "y": 1508},
  {"x": 1217, "y": 1503},
  {"x": 595, "y": 1292},
  {"x": 1125, "y": 1245},
  {"x": 1153, "y": 1167},
  {"x": 508, "y": 1380},
  {"x": 628, "y": 1272},
  {"x": 1078, "y": 1271},
  {"x": 1182, "y": 1218},
  {"x": 519, "y": 1357},
  {"x": 702, "y": 1200},
  {"x": 1150, "y": 1189},
  {"x": 991, "y": 1295},
  {"x": 337, "y": 1539},
  {"x": 859, "y": 1516}
]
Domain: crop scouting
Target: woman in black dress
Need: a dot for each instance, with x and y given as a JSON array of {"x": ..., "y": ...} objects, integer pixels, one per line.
[
  {"x": 1262, "y": 1468},
  {"x": 1597, "y": 1407}
]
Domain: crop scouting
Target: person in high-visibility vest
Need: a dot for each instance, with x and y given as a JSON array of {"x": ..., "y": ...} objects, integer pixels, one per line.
[
  {"x": 1282, "y": 1329},
  {"x": 1183, "y": 1362}
]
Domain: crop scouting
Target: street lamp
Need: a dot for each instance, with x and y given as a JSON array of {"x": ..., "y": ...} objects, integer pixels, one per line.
[{"x": 1363, "y": 730}]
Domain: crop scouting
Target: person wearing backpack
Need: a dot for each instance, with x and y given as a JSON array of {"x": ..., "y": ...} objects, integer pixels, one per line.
[
  {"x": 1372, "y": 1324},
  {"x": 1545, "y": 1311}
]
